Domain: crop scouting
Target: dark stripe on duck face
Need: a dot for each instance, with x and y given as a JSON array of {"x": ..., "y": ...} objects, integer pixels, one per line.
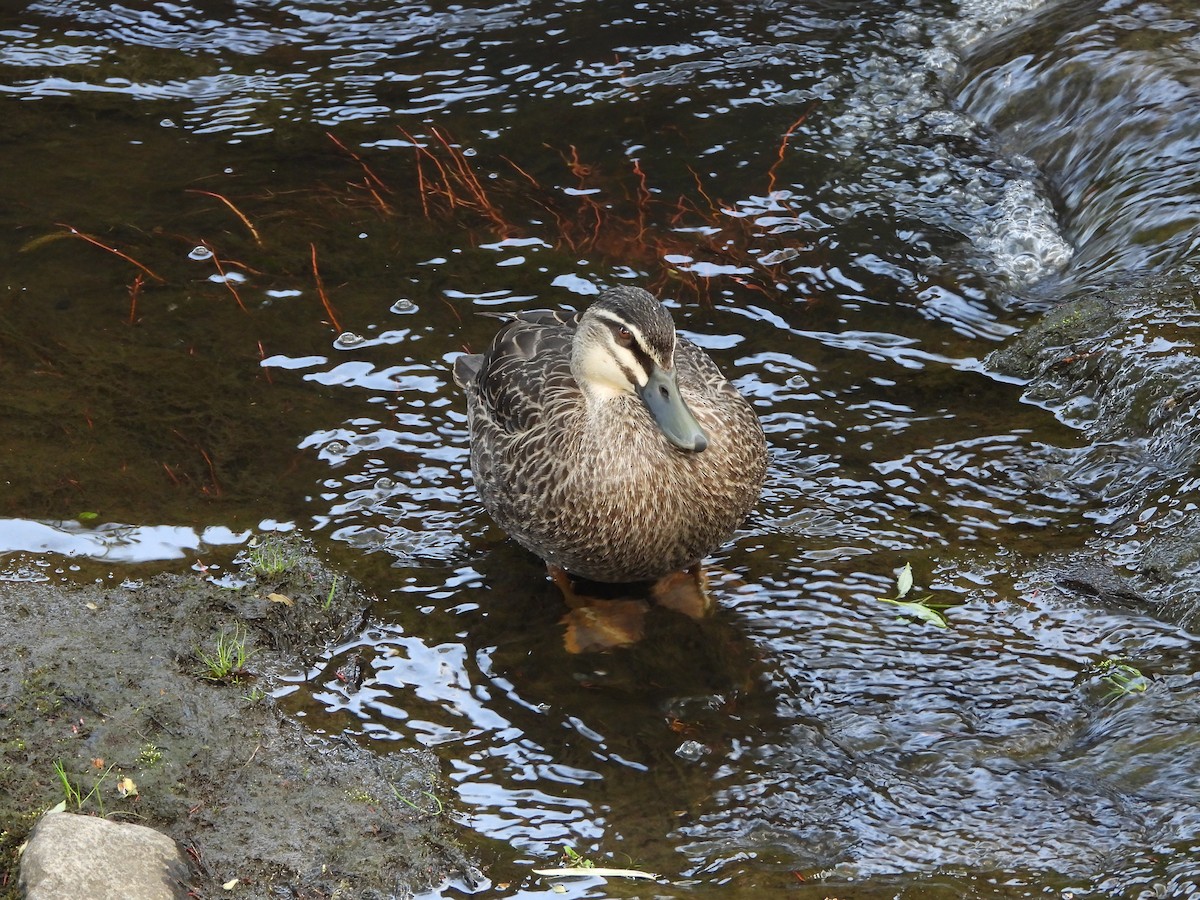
[
  {"x": 644, "y": 360},
  {"x": 635, "y": 345}
]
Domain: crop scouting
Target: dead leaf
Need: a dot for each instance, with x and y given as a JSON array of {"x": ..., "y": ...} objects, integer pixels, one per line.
[
  {"x": 280, "y": 598},
  {"x": 590, "y": 871},
  {"x": 126, "y": 787}
]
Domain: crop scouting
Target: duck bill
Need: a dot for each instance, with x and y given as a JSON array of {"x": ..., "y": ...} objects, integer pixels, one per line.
[{"x": 661, "y": 396}]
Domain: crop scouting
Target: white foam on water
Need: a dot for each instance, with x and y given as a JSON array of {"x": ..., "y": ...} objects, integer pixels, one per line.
[
  {"x": 900, "y": 118},
  {"x": 1022, "y": 236}
]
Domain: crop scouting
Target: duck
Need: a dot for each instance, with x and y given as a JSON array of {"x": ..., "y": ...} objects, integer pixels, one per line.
[{"x": 606, "y": 443}]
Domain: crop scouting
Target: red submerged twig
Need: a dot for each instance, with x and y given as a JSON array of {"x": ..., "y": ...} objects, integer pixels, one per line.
[
  {"x": 212, "y": 471},
  {"x": 424, "y": 184},
  {"x": 421, "y": 189},
  {"x": 225, "y": 278},
  {"x": 135, "y": 291},
  {"x": 643, "y": 199},
  {"x": 700, "y": 189},
  {"x": 450, "y": 306},
  {"x": 783, "y": 148},
  {"x": 262, "y": 355},
  {"x": 373, "y": 183},
  {"x": 471, "y": 182},
  {"x": 578, "y": 168},
  {"x": 103, "y": 246},
  {"x": 237, "y": 212},
  {"x": 321, "y": 291},
  {"x": 522, "y": 172}
]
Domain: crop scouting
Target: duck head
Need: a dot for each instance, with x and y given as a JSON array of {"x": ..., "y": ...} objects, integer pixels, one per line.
[{"x": 625, "y": 344}]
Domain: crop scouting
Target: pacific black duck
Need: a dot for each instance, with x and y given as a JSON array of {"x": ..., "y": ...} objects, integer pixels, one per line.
[{"x": 608, "y": 445}]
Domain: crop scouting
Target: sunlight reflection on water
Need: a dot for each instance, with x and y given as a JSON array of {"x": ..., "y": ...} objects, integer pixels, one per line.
[{"x": 845, "y": 241}]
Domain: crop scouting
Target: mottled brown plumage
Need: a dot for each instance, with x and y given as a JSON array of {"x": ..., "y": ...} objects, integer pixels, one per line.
[{"x": 608, "y": 445}]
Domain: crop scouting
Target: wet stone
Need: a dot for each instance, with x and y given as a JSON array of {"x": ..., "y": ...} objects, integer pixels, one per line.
[{"x": 71, "y": 856}]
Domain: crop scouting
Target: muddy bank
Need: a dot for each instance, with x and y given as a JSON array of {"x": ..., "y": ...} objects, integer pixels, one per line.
[
  {"x": 153, "y": 700},
  {"x": 1123, "y": 367}
]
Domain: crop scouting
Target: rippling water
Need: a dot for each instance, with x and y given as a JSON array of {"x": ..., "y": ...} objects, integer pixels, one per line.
[{"x": 849, "y": 205}]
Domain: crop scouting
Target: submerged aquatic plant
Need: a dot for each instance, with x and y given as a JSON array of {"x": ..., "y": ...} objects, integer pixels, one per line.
[
  {"x": 612, "y": 212},
  {"x": 1121, "y": 678}
]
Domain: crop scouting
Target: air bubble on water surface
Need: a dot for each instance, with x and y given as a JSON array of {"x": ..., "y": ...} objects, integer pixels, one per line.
[{"x": 692, "y": 751}]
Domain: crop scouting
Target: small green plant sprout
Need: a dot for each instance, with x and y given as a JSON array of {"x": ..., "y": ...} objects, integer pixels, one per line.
[
  {"x": 1120, "y": 677},
  {"x": 920, "y": 609},
  {"x": 228, "y": 660},
  {"x": 573, "y": 860},
  {"x": 73, "y": 795},
  {"x": 329, "y": 597},
  {"x": 269, "y": 556},
  {"x": 150, "y": 755},
  {"x": 436, "y": 808},
  {"x": 255, "y": 695}
]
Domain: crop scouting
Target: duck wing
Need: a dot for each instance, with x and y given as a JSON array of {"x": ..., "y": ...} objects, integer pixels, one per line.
[
  {"x": 527, "y": 367},
  {"x": 467, "y": 367}
]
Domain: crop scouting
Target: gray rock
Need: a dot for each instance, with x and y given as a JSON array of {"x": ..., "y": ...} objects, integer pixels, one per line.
[
  {"x": 71, "y": 857},
  {"x": 1123, "y": 367}
]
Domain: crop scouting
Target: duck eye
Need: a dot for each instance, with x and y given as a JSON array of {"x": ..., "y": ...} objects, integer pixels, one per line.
[{"x": 624, "y": 336}]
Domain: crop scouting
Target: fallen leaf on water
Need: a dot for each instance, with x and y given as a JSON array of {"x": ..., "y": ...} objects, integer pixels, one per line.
[
  {"x": 918, "y": 609},
  {"x": 581, "y": 872},
  {"x": 280, "y": 598},
  {"x": 91, "y": 605}
]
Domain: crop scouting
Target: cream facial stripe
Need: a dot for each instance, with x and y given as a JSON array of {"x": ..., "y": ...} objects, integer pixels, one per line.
[{"x": 638, "y": 349}]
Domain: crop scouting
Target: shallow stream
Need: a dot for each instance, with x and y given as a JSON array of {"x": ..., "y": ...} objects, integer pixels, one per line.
[{"x": 244, "y": 240}]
